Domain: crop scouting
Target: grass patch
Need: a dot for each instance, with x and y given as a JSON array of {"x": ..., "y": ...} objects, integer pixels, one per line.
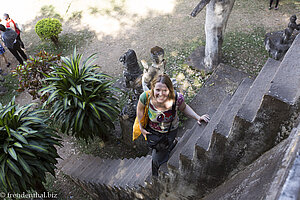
[
  {"x": 189, "y": 80},
  {"x": 11, "y": 84},
  {"x": 66, "y": 43},
  {"x": 245, "y": 51},
  {"x": 48, "y": 11}
]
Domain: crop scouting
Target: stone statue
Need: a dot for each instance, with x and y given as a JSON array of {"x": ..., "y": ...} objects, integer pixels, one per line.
[
  {"x": 290, "y": 29},
  {"x": 132, "y": 77},
  {"x": 157, "y": 67},
  {"x": 277, "y": 43},
  {"x": 217, "y": 14},
  {"x": 132, "y": 69}
]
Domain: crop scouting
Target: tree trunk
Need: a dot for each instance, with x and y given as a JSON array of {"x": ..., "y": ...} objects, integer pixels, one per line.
[
  {"x": 217, "y": 14},
  {"x": 54, "y": 39}
]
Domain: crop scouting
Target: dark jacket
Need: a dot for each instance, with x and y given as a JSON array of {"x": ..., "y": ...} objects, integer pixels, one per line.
[{"x": 9, "y": 37}]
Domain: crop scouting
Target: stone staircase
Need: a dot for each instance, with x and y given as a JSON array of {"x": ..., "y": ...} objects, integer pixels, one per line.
[
  {"x": 108, "y": 178},
  {"x": 243, "y": 126},
  {"x": 207, "y": 153}
]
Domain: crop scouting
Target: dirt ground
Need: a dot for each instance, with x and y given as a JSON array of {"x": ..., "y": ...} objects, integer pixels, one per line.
[{"x": 119, "y": 25}]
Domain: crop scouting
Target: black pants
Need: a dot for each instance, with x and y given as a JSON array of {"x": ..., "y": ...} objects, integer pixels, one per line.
[
  {"x": 16, "y": 50},
  {"x": 160, "y": 157},
  {"x": 19, "y": 39},
  {"x": 276, "y": 5}
]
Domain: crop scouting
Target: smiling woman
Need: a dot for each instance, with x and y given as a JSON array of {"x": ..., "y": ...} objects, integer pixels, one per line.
[{"x": 163, "y": 118}]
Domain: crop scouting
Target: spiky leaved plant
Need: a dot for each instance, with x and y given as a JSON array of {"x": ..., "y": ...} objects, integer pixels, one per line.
[
  {"x": 27, "y": 148},
  {"x": 83, "y": 100}
]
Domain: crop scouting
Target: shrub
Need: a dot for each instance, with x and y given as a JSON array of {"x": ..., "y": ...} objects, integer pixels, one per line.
[
  {"x": 31, "y": 75},
  {"x": 82, "y": 100},
  {"x": 48, "y": 28},
  {"x": 27, "y": 149}
]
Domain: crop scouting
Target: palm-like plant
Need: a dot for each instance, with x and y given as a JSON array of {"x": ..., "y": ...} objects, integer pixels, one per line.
[
  {"x": 83, "y": 101},
  {"x": 27, "y": 149}
]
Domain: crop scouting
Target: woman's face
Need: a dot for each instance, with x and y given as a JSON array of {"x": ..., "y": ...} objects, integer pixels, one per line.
[{"x": 161, "y": 92}]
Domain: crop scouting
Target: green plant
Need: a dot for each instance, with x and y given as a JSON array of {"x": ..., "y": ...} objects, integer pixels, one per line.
[
  {"x": 31, "y": 75},
  {"x": 75, "y": 16},
  {"x": 82, "y": 100},
  {"x": 48, "y": 28},
  {"x": 27, "y": 149}
]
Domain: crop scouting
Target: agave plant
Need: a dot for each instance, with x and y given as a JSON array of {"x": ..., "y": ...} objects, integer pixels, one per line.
[
  {"x": 83, "y": 101},
  {"x": 27, "y": 149}
]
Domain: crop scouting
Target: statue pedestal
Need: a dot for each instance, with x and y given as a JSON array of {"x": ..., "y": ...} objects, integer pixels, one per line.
[{"x": 127, "y": 127}]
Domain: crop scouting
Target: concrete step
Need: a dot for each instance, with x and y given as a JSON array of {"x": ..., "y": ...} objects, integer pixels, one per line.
[
  {"x": 205, "y": 147},
  {"x": 141, "y": 172},
  {"x": 265, "y": 178},
  {"x": 260, "y": 86},
  {"x": 112, "y": 171},
  {"x": 120, "y": 171},
  {"x": 148, "y": 172},
  {"x": 226, "y": 121},
  {"x": 203, "y": 136},
  {"x": 99, "y": 168},
  {"x": 211, "y": 95},
  {"x": 68, "y": 163},
  {"x": 78, "y": 165},
  {"x": 92, "y": 169},
  {"x": 137, "y": 172},
  {"x": 285, "y": 85},
  {"x": 102, "y": 176},
  {"x": 126, "y": 173},
  {"x": 123, "y": 183},
  {"x": 173, "y": 162}
]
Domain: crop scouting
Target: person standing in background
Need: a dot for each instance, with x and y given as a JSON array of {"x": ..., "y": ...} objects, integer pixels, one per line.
[
  {"x": 2, "y": 51},
  {"x": 9, "y": 38},
  {"x": 276, "y": 5},
  {"x": 11, "y": 24}
]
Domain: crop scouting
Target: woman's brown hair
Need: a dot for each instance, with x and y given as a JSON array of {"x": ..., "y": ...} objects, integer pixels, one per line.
[{"x": 163, "y": 78}]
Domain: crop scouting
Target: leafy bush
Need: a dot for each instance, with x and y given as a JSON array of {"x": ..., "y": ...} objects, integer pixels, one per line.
[
  {"x": 31, "y": 75},
  {"x": 48, "y": 28},
  {"x": 82, "y": 100},
  {"x": 27, "y": 149}
]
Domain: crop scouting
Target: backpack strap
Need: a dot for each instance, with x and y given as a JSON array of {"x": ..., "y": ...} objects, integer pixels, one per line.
[{"x": 173, "y": 111}]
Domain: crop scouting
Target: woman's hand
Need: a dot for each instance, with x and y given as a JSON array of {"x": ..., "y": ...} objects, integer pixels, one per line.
[
  {"x": 144, "y": 132},
  {"x": 204, "y": 118}
]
